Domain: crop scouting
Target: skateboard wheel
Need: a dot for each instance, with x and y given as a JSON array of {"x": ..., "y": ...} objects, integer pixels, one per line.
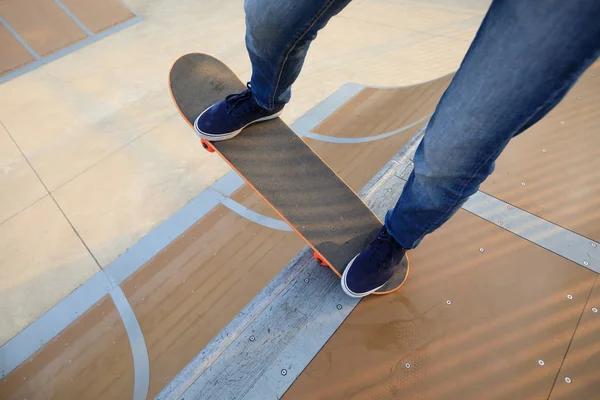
[
  {"x": 319, "y": 259},
  {"x": 207, "y": 146}
]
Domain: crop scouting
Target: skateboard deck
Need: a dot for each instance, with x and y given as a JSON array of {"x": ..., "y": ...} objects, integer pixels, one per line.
[{"x": 283, "y": 170}]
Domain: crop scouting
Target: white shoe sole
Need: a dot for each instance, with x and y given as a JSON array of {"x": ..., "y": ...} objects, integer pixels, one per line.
[
  {"x": 225, "y": 136},
  {"x": 350, "y": 292}
]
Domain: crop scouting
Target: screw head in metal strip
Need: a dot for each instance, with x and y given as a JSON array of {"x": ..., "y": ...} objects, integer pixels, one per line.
[
  {"x": 594, "y": 310},
  {"x": 305, "y": 280},
  {"x": 562, "y": 122},
  {"x": 541, "y": 362},
  {"x": 593, "y": 244},
  {"x": 284, "y": 372},
  {"x": 569, "y": 297},
  {"x": 407, "y": 365},
  {"x": 522, "y": 183},
  {"x": 481, "y": 250},
  {"x": 448, "y": 302},
  {"x": 585, "y": 263},
  {"x": 579, "y": 97},
  {"x": 509, "y": 207},
  {"x": 544, "y": 150},
  {"x": 341, "y": 218},
  {"x": 567, "y": 379},
  {"x": 500, "y": 222},
  {"x": 252, "y": 338},
  {"x": 339, "y": 307}
]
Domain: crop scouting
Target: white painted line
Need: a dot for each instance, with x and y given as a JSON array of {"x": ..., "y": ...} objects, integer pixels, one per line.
[
  {"x": 364, "y": 139},
  {"x": 141, "y": 361},
  {"x": 324, "y": 109},
  {"x": 254, "y": 216}
]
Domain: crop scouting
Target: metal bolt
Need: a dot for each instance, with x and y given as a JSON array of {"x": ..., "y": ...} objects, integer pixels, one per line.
[
  {"x": 305, "y": 280},
  {"x": 585, "y": 263},
  {"x": 448, "y": 302},
  {"x": 500, "y": 222},
  {"x": 481, "y": 250},
  {"x": 284, "y": 372},
  {"x": 593, "y": 244},
  {"x": 544, "y": 150},
  {"x": 594, "y": 310},
  {"x": 567, "y": 379},
  {"x": 522, "y": 183},
  {"x": 252, "y": 338},
  {"x": 341, "y": 218},
  {"x": 407, "y": 365},
  {"x": 569, "y": 297},
  {"x": 333, "y": 228},
  {"x": 339, "y": 306},
  {"x": 389, "y": 190},
  {"x": 579, "y": 97},
  {"x": 509, "y": 207},
  {"x": 562, "y": 122},
  {"x": 541, "y": 362}
]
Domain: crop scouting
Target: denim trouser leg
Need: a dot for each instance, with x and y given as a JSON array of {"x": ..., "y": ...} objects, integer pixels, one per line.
[
  {"x": 524, "y": 59},
  {"x": 278, "y": 34}
]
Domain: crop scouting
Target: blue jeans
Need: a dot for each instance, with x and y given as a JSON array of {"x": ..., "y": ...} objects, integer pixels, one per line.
[{"x": 525, "y": 57}]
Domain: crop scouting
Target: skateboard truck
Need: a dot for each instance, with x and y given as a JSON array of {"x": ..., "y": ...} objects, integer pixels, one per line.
[{"x": 207, "y": 145}]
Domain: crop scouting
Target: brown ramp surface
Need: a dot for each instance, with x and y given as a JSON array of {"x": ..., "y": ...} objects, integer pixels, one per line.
[
  {"x": 579, "y": 376},
  {"x": 369, "y": 114},
  {"x": 481, "y": 312},
  {"x": 553, "y": 169}
]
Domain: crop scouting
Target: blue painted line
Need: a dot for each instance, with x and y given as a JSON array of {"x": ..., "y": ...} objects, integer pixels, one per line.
[
  {"x": 20, "y": 39},
  {"x": 74, "y": 18},
  {"x": 67, "y": 50},
  {"x": 228, "y": 184},
  {"x": 155, "y": 241},
  {"x": 139, "y": 351},
  {"x": 127, "y": 7}
]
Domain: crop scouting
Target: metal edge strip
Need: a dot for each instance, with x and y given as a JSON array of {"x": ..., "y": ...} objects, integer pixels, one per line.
[
  {"x": 561, "y": 241},
  {"x": 275, "y": 345}
]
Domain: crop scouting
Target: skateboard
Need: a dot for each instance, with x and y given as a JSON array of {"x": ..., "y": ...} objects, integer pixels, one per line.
[{"x": 273, "y": 160}]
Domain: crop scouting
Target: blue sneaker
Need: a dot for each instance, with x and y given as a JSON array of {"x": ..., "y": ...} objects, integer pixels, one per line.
[
  {"x": 224, "y": 120},
  {"x": 374, "y": 266}
]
